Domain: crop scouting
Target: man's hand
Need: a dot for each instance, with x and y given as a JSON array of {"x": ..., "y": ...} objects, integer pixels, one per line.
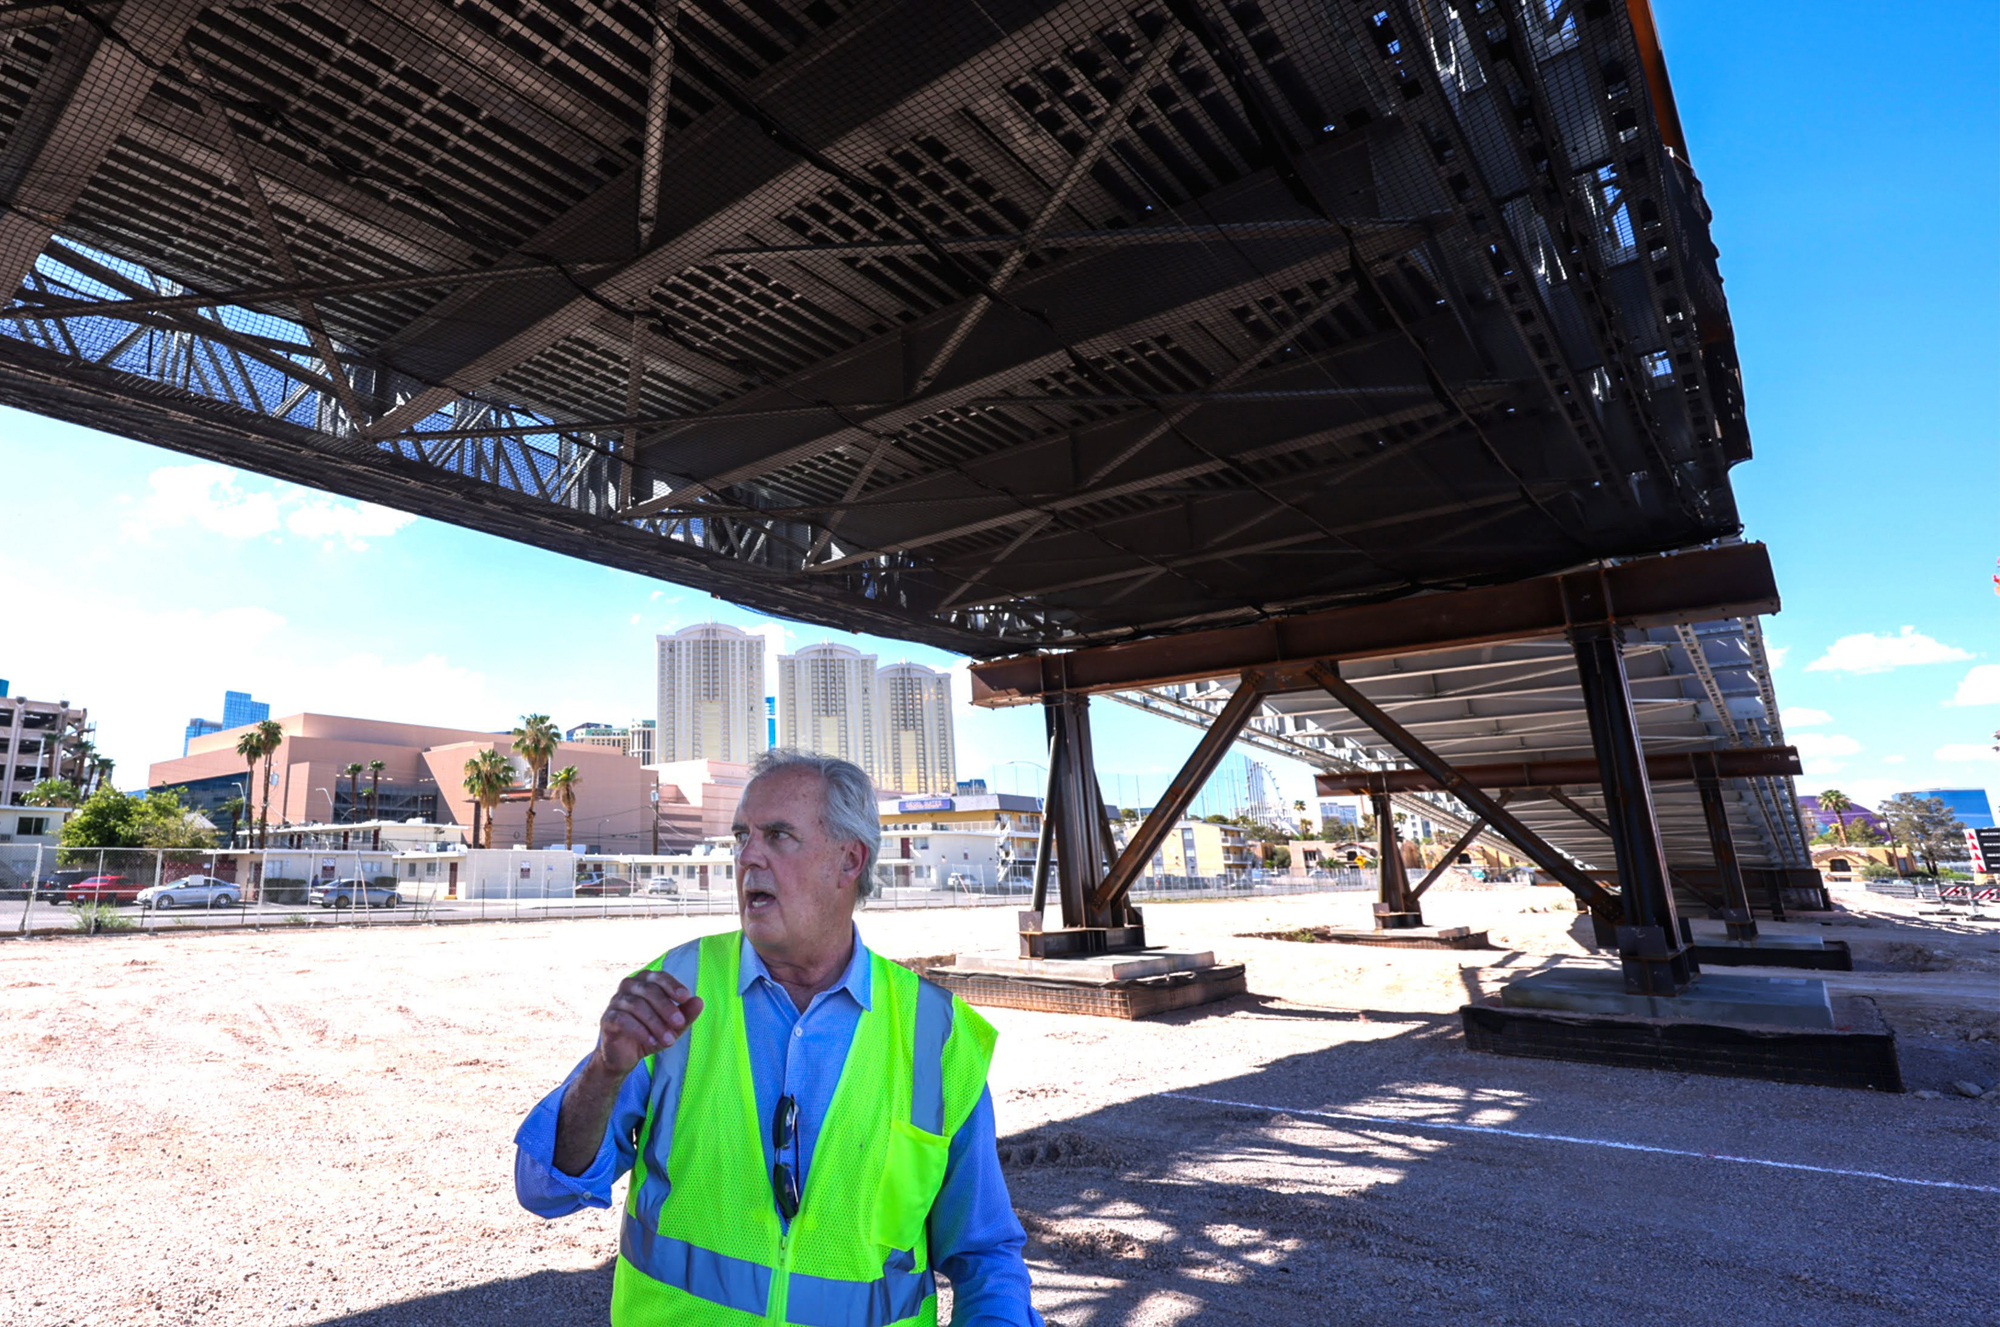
[{"x": 650, "y": 1012}]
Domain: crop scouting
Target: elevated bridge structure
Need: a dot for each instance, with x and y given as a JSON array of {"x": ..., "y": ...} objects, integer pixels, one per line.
[{"x": 1017, "y": 326}]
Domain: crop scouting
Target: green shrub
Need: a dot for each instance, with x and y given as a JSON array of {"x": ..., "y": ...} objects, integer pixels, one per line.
[
  {"x": 279, "y": 889},
  {"x": 94, "y": 917}
]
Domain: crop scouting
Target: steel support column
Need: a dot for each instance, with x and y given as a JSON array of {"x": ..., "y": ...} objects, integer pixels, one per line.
[
  {"x": 1649, "y": 941},
  {"x": 1074, "y": 824},
  {"x": 1396, "y": 907},
  {"x": 1736, "y": 899}
]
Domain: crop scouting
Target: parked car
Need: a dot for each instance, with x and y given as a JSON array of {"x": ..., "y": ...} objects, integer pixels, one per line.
[
  {"x": 195, "y": 891},
  {"x": 605, "y": 884},
  {"x": 350, "y": 893},
  {"x": 104, "y": 889}
]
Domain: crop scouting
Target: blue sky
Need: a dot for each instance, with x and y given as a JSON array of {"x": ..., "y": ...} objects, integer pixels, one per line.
[{"x": 1854, "y": 190}]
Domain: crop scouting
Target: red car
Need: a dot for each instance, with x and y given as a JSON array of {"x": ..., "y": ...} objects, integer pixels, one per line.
[{"x": 105, "y": 889}]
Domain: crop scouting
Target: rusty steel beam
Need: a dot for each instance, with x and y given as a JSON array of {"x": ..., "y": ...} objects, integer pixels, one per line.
[
  {"x": 1208, "y": 753},
  {"x": 1451, "y": 854},
  {"x": 1749, "y": 762},
  {"x": 1732, "y": 581}
]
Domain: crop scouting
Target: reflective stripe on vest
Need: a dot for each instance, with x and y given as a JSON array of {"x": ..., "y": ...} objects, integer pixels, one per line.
[
  {"x": 669, "y": 1070},
  {"x": 927, "y": 1082},
  {"x": 811, "y": 1301}
]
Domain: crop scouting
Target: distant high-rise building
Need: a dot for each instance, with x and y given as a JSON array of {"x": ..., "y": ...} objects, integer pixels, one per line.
[
  {"x": 711, "y": 687},
  {"x": 826, "y": 704},
  {"x": 1344, "y": 813},
  {"x": 916, "y": 745},
  {"x": 610, "y": 737},
  {"x": 239, "y": 711},
  {"x": 639, "y": 740},
  {"x": 1969, "y": 806}
]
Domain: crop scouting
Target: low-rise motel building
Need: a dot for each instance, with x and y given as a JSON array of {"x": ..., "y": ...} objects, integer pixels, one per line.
[{"x": 977, "y": 842}]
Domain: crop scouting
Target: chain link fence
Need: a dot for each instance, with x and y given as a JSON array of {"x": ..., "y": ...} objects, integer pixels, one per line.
[{"x": 146, "y": 890}]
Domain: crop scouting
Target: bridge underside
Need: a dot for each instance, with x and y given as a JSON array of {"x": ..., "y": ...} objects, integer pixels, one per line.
[{"x": 994, "y": 326}]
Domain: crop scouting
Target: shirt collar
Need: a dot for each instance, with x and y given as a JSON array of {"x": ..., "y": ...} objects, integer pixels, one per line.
[{"x": 856, "y": 980}]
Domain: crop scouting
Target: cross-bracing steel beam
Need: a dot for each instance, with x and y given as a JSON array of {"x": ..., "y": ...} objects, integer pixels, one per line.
[
  {"x": 1207, "y": 754},
  {"x": 1326, "y": 674}
]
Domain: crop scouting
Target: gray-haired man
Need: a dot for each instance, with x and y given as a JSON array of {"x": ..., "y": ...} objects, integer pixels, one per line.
[{"x": 788, "y": 1000}]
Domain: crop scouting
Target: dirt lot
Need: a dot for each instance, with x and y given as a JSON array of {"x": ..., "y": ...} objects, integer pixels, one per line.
[{"x": 316, "y": 1128}]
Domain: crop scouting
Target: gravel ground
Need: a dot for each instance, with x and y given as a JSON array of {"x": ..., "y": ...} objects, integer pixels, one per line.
[{"x": 316, "y": 1128}]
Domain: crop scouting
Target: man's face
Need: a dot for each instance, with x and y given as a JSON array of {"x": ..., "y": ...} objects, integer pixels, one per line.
[{"x": 794, "y": 883}]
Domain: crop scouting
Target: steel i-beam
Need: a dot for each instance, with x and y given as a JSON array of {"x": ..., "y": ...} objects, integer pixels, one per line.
[
  {"x": 1736, "y": 899},
  {"x": 1395, "y": 908},
  {"x": 1655, "y": 960}
]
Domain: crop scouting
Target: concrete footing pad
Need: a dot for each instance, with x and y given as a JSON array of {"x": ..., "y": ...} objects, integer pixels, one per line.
[
  {"x": 1775, "y": 951},
  {"x": 1786, "y": 1029},
  {"x": 1102, "y": 985},
  {"x": 1714, "y": 997}
]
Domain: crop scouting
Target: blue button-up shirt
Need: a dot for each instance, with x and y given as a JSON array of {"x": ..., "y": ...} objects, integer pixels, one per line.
[{"x": 975, "y": 1239}]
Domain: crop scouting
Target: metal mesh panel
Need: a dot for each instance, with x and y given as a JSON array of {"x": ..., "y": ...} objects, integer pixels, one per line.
[{"x": 991, "y": 325}]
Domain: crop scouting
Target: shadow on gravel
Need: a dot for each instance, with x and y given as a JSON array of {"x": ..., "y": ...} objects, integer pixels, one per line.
[{"x": 531, "y": 1301}]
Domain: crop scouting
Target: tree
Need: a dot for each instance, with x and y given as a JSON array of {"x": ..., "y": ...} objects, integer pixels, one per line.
[
  {"x": 535, "y": 741},
  {"x": 488, "y": 776},
  {"x": 53, "y": 792},
  {"x": 1924, "y": 825},
  {"x": 562, "y": 790},
  {"x": 110, "y": 819},
  {"x": 164, "y": 822},
  {"x": 352, "y": 773},
  {"x": 270, "y": 735},
  {"x": 375, "y": 768},
  {"x": 236, "y": 809},
  {"x": 1835, "y": 801},
  {"x": 100, "y": 771},
  {"x": 106, "y": 819},
  {"x": 250, "y": 747}
]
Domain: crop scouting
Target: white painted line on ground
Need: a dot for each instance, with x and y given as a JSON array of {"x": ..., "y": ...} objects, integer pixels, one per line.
[{"x": 1401, "y": 1122}]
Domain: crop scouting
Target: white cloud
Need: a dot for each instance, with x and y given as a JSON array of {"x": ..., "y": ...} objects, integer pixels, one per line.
[
  {"x": 1776, "y": 654},
  {"x": 1819, "y": 746},
  {"x": 635, "y": 619},
  {"x": 1867, "y": 652},
  {"x": 210, "y": 498},
  {"x": 1802, "y": 716},
  {"x": 1958, "y": 753},
  {"x": 1979, "y": 686},
  {"x": 1894, "y": 760},
  {"x": 351, "y": 523}
]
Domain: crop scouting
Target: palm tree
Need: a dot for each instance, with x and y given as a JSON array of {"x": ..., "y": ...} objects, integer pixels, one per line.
[
  {"x": 270, "y": 736},
  {"x": 80, "y": 752},
  {"x": 352, "y": 773},
  {"x": 1837, "y": 802},
  {"x": 562, "y": 789},
  {"x": 101, "y": 772},
  {"x": 250, "y": 746},
  {"x": 535, "y": 741},
  {"x": 234, "y": 808},
  {"x": 488, "y": 776},
  {"x": 375, "y": 768}
]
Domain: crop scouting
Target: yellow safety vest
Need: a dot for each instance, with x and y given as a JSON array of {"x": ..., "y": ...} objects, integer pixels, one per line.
[{"x": 701, "y": 1240}]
